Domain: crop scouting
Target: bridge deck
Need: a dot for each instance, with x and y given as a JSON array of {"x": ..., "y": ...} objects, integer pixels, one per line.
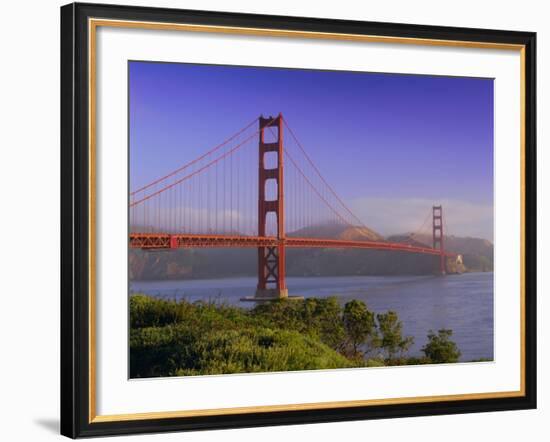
[{"x": 178, "y": 241}]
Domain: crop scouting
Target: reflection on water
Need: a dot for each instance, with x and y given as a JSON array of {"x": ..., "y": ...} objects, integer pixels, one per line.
[{"x": 463, "y": 303}]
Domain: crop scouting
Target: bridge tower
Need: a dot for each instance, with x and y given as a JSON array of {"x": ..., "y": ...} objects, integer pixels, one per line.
[
  {"x": 437, "y": 230},
  {"x": 271, "y": 260}
]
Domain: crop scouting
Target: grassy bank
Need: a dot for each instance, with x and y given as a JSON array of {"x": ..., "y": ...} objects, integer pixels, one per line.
[{"x": 169, "y": 338}]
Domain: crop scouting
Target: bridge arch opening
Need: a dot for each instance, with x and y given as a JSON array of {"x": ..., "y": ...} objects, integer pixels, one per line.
[
  {"x": 270, "y": 160},
  {"x": 271, "y": 190},
  {"x": 271, "y": 135},
  {"x": 271, "y": 224}
]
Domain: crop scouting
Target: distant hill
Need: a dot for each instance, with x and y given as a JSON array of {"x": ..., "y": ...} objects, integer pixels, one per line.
[
  {"x": 457, "y": 244},
  {"x": 477, "y": 252},
  {"x": 335, "y": 231}
]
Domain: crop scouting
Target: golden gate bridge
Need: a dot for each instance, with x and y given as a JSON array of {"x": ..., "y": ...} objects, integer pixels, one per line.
[{"x": 257, "y": 190}]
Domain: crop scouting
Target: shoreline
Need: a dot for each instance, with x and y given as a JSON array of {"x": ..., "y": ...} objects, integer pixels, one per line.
[{"x": 422, "y": 302}]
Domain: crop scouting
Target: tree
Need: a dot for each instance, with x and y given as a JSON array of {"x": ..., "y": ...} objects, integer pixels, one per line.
[
  {"x": 392, "y": 339},
  {"x": 327, "y": 321},
  {"x": 360, "y": 327},
  {"x": 440, "y": 348}
]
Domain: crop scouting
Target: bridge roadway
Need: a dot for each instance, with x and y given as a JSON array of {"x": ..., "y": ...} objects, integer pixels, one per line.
[{"x": 158, "y": 241}]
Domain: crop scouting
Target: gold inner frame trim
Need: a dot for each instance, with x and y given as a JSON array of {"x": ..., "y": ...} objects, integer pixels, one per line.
[{"x": 92, "y": 28}]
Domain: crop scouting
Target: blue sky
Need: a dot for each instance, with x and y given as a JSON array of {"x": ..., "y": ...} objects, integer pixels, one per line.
[{"x": 391, "y": 145}]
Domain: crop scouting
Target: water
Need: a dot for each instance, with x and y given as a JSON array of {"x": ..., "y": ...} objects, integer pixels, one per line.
[{"x": 463, "y": 303}]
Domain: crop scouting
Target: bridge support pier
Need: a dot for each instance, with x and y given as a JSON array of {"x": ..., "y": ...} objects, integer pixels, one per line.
[{"x": 271, "y": 272}]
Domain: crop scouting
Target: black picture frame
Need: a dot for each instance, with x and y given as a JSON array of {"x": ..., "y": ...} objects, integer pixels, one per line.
[{"x": 75, "y": 221}]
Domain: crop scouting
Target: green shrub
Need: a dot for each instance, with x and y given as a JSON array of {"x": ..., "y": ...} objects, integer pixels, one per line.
[
  {"x": 170, "y": 338},
  {"x": 320, "y": 317},
  {"x": 440, "y": 349},
  {"x": 393, "y": 342},
  {"x": 375, "y": 362},
  {"x": 177, "y": 350},
  {"x": 360, "y": 329}
]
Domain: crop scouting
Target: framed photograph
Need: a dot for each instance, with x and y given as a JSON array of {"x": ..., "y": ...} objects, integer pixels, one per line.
[{"x": 274, "y": 220}]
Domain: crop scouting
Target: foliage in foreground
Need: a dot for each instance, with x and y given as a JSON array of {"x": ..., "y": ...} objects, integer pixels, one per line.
[
  {"x": 169, "y": 338},
  {"x": 440, "y": 348}
]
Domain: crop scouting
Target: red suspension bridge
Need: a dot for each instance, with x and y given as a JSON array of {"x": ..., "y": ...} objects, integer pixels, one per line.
[{"x": 253, "y": 190}]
